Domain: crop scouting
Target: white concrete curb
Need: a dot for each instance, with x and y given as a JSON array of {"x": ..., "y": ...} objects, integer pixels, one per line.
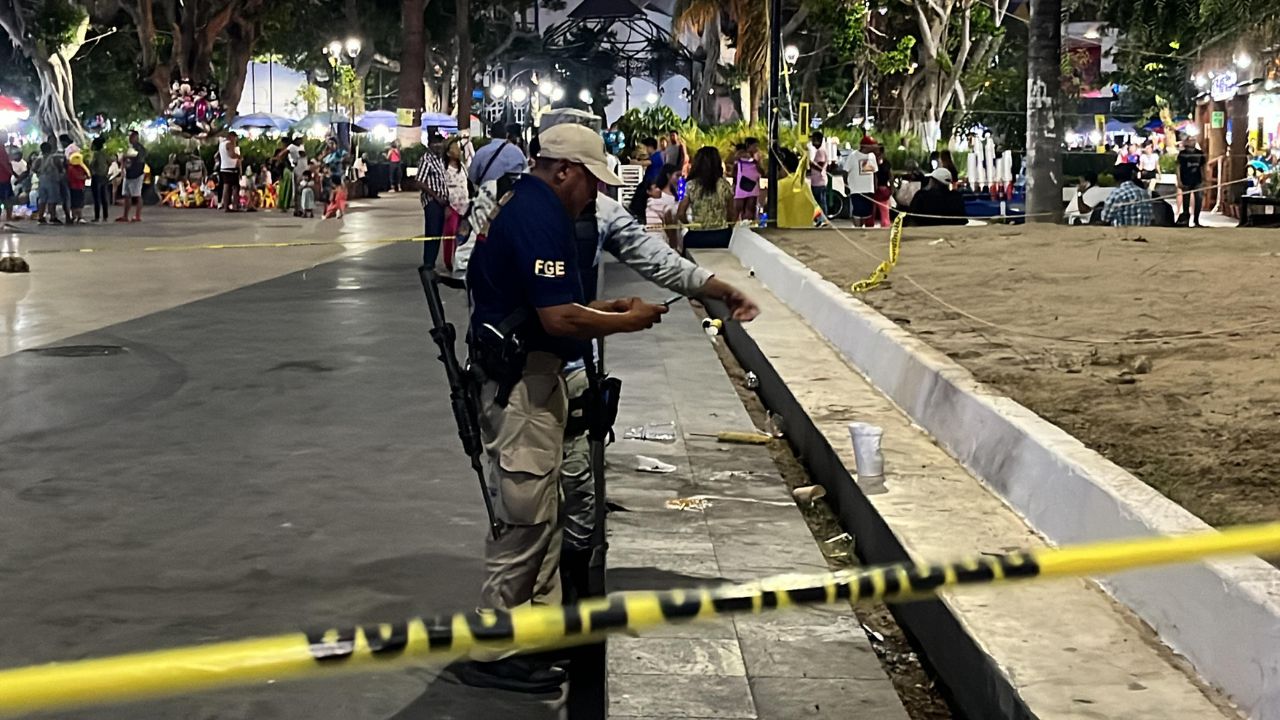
[{"x": 1223, "y": 616}]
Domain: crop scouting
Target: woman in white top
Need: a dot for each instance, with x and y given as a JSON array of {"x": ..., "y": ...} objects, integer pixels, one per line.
[
  {"x": 1149, "y": 166},
  {"x": 455, "y": 179}
]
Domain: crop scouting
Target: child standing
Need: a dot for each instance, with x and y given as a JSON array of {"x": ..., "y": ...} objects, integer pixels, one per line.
[
  {"x": 52, "y": 172},
  {"x": 77, "y": 177},
  {"x": 307, "y": 196}
]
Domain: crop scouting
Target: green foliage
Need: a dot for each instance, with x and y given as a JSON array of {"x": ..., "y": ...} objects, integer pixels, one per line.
[
  {"x": 55, "y": 23},
  {"x": 898, "y": 59},
  {"x": 106, "y": 83},
  {"x": 846, "y": 21},
  {"x": 637, "y": 124},
  {"x": 307, "y": 98},
  {"x": 346, "y": 86},
  {"x": 1169, "y": 164},
  {"x": 411, "y": 155}
]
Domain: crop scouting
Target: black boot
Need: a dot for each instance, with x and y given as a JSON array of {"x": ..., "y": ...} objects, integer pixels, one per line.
[{"x": 532, "y": 675}]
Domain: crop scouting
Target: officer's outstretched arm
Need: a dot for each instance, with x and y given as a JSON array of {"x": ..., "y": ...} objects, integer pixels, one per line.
[{"x": 584, "y": 323}]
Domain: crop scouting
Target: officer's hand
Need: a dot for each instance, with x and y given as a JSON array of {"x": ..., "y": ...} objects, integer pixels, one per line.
[
  {"x": 740, "y": 306},
  {"x": 617, "y": 305},
  {"x": 645, "y": 315},
  {"x": 625, "y": 304}
]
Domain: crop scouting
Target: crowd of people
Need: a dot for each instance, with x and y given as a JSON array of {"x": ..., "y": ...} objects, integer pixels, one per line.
[
  {"x": 53, "y": 184},
  {"x": 1134, "y": 201},
  {"x": 289, "y": 181},
  {"x": 60, "y": 177}
]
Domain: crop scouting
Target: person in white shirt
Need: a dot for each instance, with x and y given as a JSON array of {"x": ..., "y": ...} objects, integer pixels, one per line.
[
  {"x": 1088, "y": 196},
  {"x": 228, "y": 164},
  {"x": 1149, "y": 166},
  {"x": 860, "y": 167},
  {"x": 655, "y": 204}
]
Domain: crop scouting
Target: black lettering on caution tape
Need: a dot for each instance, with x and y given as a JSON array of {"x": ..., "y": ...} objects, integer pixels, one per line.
[
  {"x": 678, "y": 606},
  {"x": 332, "y": 645},
  {"x": 491, "y": 626},
  {"x": 439, "y": 632},
  {"x": 390, "y": 645},
  {"x": 611, "y": 617}
]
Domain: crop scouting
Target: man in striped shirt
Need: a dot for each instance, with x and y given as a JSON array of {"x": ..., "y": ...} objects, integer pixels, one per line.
[{"x": 435, "y": 198}]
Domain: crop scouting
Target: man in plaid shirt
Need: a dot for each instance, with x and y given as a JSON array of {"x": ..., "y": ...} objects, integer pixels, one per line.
[
  {"x": 434, "y": 196},
  {"x": 1129, "y": 204}
]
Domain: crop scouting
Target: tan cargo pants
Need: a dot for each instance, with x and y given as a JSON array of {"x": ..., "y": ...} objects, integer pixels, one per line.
[{"x": 523, "y": 443}]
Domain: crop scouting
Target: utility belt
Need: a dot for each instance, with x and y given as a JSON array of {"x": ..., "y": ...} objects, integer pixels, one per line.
[{"x": 498, "y": 353}]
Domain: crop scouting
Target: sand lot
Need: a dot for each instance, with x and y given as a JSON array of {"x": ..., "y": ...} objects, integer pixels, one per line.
[{"x": 1156, "y": 348}]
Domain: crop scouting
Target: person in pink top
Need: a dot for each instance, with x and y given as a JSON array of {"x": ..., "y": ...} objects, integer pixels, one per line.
[{"x": 746, "y": 180}]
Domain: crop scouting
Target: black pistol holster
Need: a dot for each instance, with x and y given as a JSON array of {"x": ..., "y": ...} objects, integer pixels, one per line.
[{"x": 496, "y": 350}]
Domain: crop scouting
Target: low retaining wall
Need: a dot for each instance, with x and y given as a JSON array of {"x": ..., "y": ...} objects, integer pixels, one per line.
[{"x": 1223, "y": 616}]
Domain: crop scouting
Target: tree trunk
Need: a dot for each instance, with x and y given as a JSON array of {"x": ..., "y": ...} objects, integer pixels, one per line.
[
  {"x": 1044, "y": 131},
  {"x": 413, "y": 64},
  {"x": 704, "y": 102},
  {"x": 240, "y": 40},
  {"x": 55, "y": 112},
  {"x": 464, "y": 65},
  {"x": 57, "y": 98}
]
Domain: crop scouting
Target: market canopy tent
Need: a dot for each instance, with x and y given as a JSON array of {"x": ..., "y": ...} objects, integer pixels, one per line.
[{"x": 266, "y": 121}]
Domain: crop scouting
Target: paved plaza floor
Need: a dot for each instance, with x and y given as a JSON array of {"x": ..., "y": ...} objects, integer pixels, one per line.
[{"x": 202, "y": 445}]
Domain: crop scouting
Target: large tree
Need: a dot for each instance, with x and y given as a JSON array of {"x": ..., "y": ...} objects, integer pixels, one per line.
[
  {"x": 49, "y": 33},
  {"x": 178, "y": 39},
  {"x": 749, "y": 23}
]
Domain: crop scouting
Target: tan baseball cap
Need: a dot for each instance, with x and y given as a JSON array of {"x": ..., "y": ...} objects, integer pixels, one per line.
[{"x": 580, "y": 144}]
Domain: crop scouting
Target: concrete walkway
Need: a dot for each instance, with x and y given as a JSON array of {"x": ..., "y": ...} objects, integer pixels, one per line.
[
  {"x": 140, "y": 268},
  {"x": 274, "y": 458},
  {"x": 268, "y": 446},
  {"x": 1067, "y": 649},
  {"x": 813, "y": 663}
]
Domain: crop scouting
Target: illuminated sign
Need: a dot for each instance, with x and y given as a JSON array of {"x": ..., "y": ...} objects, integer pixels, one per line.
[{"x": 1224, "y": 86}]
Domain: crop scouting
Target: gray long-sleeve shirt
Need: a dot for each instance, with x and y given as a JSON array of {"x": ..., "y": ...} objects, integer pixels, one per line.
[{"x": 625, "y": 238}]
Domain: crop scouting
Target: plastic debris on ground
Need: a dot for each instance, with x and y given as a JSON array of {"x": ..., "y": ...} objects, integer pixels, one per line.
[
  {"x": 694, "y": 504},
  {"x": 644, "y": 463},
  {"x": 655, "y": 432}
]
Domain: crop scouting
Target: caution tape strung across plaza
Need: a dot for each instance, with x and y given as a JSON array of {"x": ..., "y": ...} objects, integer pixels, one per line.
[{"x": 387, "y": 646}]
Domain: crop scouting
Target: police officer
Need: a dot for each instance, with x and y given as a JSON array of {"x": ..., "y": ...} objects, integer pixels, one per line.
[
  {"x": 607, "y": 226},
  {"x": 529, "y": 318}
]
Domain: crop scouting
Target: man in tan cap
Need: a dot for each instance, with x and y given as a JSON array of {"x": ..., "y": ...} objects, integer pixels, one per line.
[{"x": 529, "y": 316}]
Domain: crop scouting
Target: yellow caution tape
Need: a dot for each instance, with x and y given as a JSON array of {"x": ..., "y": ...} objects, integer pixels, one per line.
[
  {"x": 529, "y": 628},
  {"x": 882, "y": 270}
]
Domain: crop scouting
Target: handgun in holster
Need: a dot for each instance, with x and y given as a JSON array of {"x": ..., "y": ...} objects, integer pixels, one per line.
[{"x": 496, "y": 350}]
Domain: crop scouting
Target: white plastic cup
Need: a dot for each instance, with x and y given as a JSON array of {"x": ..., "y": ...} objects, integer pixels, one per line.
[{"x": 866, "y": 449}]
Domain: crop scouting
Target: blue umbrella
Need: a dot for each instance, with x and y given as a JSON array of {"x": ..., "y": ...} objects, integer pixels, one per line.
[
  {"x": 374, "y": 118},
  {"x": 266, "y": 121},
  {"x": 439, "y": 120},
  {"x": 1117, "y": 127}
]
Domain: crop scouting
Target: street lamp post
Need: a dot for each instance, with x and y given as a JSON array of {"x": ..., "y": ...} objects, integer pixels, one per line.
[{"x": 341, "y": 54}]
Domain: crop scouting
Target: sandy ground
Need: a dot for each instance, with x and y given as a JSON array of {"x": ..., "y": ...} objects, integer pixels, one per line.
[{"x": 1156, "y": 348}]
